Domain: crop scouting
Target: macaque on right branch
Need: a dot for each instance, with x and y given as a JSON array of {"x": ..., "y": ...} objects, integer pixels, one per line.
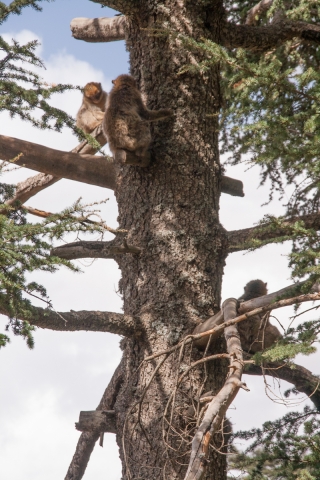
[{"x": 256, "y": 333}]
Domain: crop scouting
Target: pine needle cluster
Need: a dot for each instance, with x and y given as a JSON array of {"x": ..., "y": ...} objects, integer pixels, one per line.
[{"x": 288, "y": 448}]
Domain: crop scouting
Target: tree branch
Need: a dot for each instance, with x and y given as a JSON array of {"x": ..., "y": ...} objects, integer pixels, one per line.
[
  {"x": 83, "y": 168},
  {"x": 303, "y": 380},
  {"x": 260, "y": 39},
  {"x": 257, "y": 10},
  {"x": 87, "y": 440},
  {"x": 99, "y": 29},
  {"x": 242, "y": 239},
  {"x": 93, "y": 321},
  {"x": 33, "y": 185},
  {"x": 93, "y": 249}
]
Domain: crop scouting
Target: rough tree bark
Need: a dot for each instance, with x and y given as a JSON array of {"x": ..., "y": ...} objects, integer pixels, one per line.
[{"x": 171, "y": 212}]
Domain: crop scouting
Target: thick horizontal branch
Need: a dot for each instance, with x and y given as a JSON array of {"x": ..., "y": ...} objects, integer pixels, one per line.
[
  {"x": 255, "y": 12},
  {"x": 99, "y": 29},
  {"x": 303, "y": 380},
  {"x": 90, "y": 249},
  {"x": 93, "y": 321},
  {"x": 242, "y": 239},
  {"x": 97, "y": 421},
  {"x": 56, "y": 164},
  {"x": 33, "y": 185},
  {"x": 83, "y": 168},
  {"x": 263, "y": 38},
  {"x": 269, "y": 302}
]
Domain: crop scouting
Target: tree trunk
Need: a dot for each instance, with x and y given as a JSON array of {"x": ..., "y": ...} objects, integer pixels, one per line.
[{"x": 171, "y": 212}]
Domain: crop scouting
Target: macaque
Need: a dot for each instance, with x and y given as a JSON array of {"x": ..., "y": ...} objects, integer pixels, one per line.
[
  {"x": 126, "y": 121},
  {"x": 256, "y": 333},
  {"x": 91, "y": 112}
]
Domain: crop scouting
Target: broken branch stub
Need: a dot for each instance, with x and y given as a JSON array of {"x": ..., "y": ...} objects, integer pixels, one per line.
[
  {"x": 97, "y": 421},
  {"x": 99, "y": 29}
]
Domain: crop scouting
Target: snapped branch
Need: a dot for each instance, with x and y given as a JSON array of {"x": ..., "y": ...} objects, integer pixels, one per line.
[
  {"x": 242, "y": 239},
  {"x": 99, "y": 29},
  {"x": 93, "y": 249},
  {"x": 88, "y": 439}
]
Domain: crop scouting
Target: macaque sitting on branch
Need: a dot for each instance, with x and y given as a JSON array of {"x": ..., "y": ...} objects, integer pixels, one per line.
[
  {"x": 256, "y": 333},
  {"x": 126, "y": 121},
  {"x": 91, "y": 112}
]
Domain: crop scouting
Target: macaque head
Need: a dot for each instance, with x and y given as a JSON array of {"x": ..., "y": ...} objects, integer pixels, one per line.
[
  {"x": 93, "y": 91},
  {"x": 254, "y": 289},
  {"x": 122, "y": 80}
]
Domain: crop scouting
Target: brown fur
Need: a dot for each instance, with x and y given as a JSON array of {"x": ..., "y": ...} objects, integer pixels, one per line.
[
  {"x": 126, "y": 121},
  {"x": 91, "y": 112},
  {"x": 256, "y": 333}
]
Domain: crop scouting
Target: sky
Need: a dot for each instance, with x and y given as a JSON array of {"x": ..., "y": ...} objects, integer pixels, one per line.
[{"x": 44, "y": 390}]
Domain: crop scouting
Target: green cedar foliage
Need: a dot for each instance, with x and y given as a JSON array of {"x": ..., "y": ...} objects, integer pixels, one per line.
[
  {"x": 25, "y": 247},
  {"x": 270, "y": 117},
  {"x": 288, "y": 449}
]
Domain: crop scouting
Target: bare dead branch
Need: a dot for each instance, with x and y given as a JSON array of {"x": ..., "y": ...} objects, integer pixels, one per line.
[
  {"x": 242, "y": 239},
  {"x": 260, "y": 39},
  {"x": 72, "y": 321},
  {"x": 99, "y": 29},
  {"x": 255, "y": 12},
  {"x": 303, "y": 380},
  {"x": 87, "y": 440},
  {"x": 93, "y": 249},
  {"x": 219, "y": 404},
  {"x": 84, "y": 219},
  {"x": 33, "y": 185},
  {"x": 231, "y": 186}
]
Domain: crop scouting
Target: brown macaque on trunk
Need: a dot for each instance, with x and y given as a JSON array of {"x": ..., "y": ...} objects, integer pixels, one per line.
[{"x": 126, "y": 121}]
